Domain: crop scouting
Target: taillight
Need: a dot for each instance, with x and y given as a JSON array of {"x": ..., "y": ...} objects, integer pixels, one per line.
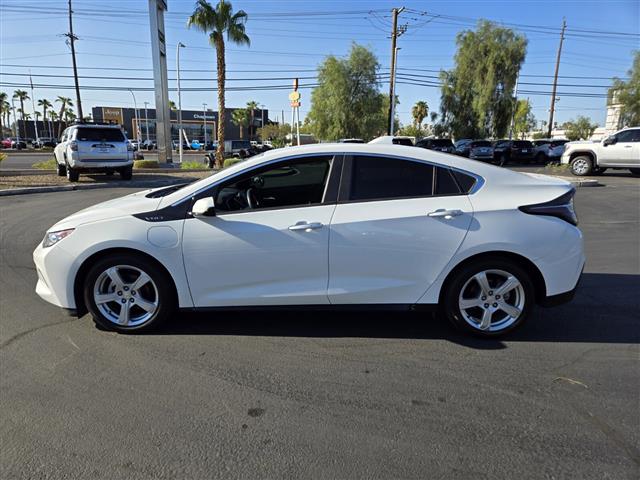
[
  {"x": 73, "y": 146},
  {"x": 561, "y": 207}
]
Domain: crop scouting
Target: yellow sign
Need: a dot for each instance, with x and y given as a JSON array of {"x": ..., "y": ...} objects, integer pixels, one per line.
[
  {"x": 294, "y": 96},
  {"x": 110, "y": 114}
]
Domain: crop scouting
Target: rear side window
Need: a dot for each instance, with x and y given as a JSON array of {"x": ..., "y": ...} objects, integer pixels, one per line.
[
  {"x": 445, "y": 183},
  {"x": 522, "y": 144},
  {"x": 99, "y": 135},
  {"x": 380, "y": 178},
  {"x": 480, "y": 143},
  {"x": 466, "y": 182}
]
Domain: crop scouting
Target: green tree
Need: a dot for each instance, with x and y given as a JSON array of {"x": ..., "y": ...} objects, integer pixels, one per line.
[
  {"x": 64, "y": 103},
  {"x": 347, "y": 102},
  {"x": 45, "y": 104},
  {"x": 579, "y": 129},
  {"x": 217, "y": 22},
  {"x": 628, "y": 94},
  {"x": 276, "y": 134},
  {"x": 477, "y": 94},
  {"x": 251, "y": 110},
  {"x": 22, "y": 96},
  {"x": 523, "y": 121},
  {"x": 240, "y": 117},
  {"x": 412, "y": 131},
  {"x": 4, "y": 108},
  {"x": 419, "y": 112}
]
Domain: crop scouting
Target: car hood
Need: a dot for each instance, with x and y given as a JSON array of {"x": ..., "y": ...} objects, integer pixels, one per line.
[{"x": 118, "y": 207}]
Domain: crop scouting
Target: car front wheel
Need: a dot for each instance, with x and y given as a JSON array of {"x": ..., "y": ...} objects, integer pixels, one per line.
[
  {"x": 128, "y": 294},
  {"x": 581, "y": 166},
  {"x": 61, "y": 169},
  {"x": 489, "y": 298},
  {"x": 126, "y": 173},
  {"x": 635, "y": 171},
  {"x": 72, "y": 174}
]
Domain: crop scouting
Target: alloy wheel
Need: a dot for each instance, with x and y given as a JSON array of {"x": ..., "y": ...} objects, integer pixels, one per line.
[
  {"x": 491, "y": 300},
  {"x": 580, "y": 166},
  {"x": 126, "y": 295}
]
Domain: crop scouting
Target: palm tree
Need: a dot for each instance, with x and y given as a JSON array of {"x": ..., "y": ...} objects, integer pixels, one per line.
[
  {"x": 4, "y": 107},
  {"x": 251, "y": 107},
  {"x": 65, "y": 101},
  {"x": 240, "y": 117},
  {"x": 419, "y": 112},
  {"x": 45, "y": 104},
  {"x": 69, "y": 115},
  {"x": 216, "y": 21},
  {"x": 22, "y": 96}
]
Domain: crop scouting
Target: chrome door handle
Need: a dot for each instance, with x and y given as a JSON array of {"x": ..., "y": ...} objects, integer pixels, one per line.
[
  {"x": 446, "y": 214},
  {"x": 306, "y": 226}
]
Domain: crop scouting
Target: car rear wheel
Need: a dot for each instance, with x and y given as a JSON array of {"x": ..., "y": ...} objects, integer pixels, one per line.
[
  {"x": 61, "y": 169},
  {"x": 540, "y": 158},
  {"x": 72, "y": 174},
  {"x": 581, "y": 166},
  {"x": 128, "y": 294},
  {"x": 489, "y": 297},
  {"x": 635, "y": 171},
  {"x": 126, "y": 173}
]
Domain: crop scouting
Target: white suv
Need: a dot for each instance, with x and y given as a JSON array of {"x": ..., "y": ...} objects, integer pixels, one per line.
[
  {"x": 93, "y": 148},
  {"x": 620, "y": 150}
]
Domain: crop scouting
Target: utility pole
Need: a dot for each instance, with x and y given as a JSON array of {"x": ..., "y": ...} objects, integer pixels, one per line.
[
  {"x": 72, "y": 38},
  {"x": 392, "y": 81},
  {"x": 514, "y": 107},
  {"x": 146, "y": 122},
  {"x": 555, "y": 80}
]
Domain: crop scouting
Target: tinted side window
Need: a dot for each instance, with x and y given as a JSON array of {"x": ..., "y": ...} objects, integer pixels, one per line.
[
  {"x": 445, "y": 183},
  {"x": 629, "y": 136},
  {"x": 290, "y": 184},
  {"x": 465, "y": 181},
  {"x": 388, "y": 178}
]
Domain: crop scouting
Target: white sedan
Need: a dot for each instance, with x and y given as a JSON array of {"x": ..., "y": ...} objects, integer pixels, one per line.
[{"x": 323, "y": 226}]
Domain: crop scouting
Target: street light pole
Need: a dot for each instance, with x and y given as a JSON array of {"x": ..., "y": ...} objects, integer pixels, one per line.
[
  {"x": 178, "y": 47},
  {"x": 135, "y": 107},
  {"x": 146, "y": 121},
  {"x": 204, "y": 118}
]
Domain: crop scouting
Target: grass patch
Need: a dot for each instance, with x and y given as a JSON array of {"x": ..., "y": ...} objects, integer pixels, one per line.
[
  {"x": 3, "y": 156},
  {"x": 146, "y": 164},
  {"x": 231, "y": 161},
  {"x": 558, "y": 167},
  {"x": 46, "y": 164},
  {"x": 192, "y": 165}
]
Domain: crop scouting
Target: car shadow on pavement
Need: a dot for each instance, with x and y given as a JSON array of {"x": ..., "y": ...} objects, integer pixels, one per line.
[{"x": 605, "y": 310}]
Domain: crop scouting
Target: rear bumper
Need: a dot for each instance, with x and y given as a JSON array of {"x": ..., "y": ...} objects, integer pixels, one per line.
[{"x": 561, "y": 298}]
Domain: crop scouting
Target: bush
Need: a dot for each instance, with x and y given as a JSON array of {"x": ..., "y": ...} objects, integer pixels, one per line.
[
  {"x": 231, "y": 161},
  {"x": 146, "y": 164},
  {"x": 192, "y": 165},
  {"x": 46, "y": 164}
]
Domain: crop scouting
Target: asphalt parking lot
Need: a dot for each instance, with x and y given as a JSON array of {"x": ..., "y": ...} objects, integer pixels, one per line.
[{"x": 353, "y": 395}]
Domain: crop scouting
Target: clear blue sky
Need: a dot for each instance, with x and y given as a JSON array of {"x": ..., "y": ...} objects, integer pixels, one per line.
[{"x": 289, "y": 39}]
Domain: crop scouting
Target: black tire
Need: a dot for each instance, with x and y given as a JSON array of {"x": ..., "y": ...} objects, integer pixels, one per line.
[
  {"x": 502, "y": 160},
  {"x": 72, "y": 174},
  {"x": 126, "y": 173},
  {"x": 582, "y": 166},
  {"x": 462, "y": 278},
  {"x": 598, "y": 171},
  {"x": 160, "y": 291},
  {"x": 61, "y": 169},
  {"x": 635, "y": 172}
]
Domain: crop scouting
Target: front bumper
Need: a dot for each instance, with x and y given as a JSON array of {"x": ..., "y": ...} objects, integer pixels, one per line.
[{"x": 53, "y": 266}]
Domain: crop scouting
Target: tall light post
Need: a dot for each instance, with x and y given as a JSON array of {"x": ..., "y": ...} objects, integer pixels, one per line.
[
  {"x": 178, "y": 47},
  {"x": 204, "y": 118},
  {"x": 392, "y": 98},
  {"x": 146, "y": 121},
  {"x": 135, "y": 107}
]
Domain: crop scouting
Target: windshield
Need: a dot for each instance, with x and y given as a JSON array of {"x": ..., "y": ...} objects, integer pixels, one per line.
[{"x": 99, "y": 135}]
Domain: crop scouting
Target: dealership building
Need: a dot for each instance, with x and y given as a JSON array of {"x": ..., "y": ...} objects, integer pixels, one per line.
[{"x": 194, "y": 122}]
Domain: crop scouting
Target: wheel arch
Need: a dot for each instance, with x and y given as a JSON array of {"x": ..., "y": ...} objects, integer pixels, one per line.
[
  {"x": 581, "y": 153},
  {"x": 78, "y": 282},
  {"x": 534, "y": 272}
]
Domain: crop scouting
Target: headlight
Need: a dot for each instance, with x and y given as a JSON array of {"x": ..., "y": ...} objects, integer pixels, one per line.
[{"x": 51, "y": 238}]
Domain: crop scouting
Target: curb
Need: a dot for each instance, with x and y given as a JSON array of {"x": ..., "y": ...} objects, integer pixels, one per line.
[
  {"x": 580, "y": 182},
  {"x": 90, "y": 186}
]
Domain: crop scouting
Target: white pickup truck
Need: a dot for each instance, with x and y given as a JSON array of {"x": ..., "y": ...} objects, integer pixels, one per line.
[{"x": 620, "y": 150}]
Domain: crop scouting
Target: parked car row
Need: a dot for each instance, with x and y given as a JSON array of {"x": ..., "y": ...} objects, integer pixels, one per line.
[{"x": 22, "y": 144}]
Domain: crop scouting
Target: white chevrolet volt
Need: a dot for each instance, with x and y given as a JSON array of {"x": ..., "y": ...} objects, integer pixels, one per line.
[{"x": 323, "y": 226}]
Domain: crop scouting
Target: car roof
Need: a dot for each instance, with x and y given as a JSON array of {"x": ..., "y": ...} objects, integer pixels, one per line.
[{"x": 93, "y": 125}]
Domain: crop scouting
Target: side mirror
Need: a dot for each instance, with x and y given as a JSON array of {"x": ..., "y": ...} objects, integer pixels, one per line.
[
  {"x": 609, "y": 141},
  {"x": 204, "y": 207}
]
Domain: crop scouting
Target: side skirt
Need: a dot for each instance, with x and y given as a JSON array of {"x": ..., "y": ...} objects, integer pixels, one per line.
[{"x": 320, "y": 308}]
